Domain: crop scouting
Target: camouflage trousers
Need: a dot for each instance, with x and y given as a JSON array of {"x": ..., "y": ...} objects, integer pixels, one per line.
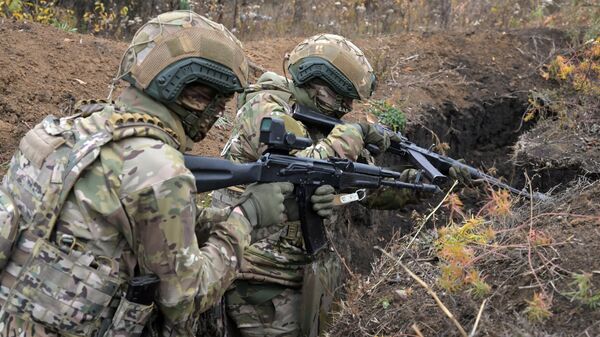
[
  {"x": 273, "y": 310},
  {"x": 264, "y": 310}
]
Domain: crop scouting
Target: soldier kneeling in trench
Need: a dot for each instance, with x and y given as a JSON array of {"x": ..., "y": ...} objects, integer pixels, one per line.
[{"x": 281, "y": 291}]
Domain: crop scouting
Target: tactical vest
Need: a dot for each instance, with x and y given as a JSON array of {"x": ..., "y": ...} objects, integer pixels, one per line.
[{"x": 51, "y": 281}]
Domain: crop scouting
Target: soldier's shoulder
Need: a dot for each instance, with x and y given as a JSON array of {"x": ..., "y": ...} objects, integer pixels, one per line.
[
  {"x": 265, "y": 101},
  {"x": 148, "y": 161}
]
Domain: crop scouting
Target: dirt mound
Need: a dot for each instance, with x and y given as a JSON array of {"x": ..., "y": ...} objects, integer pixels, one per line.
[{"x": 44, "y": 71}]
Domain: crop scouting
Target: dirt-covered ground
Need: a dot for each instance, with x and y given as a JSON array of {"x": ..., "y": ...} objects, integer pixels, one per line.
[{"x": 469, "y": 90}]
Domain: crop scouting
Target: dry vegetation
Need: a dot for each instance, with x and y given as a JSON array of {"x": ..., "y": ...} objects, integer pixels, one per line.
[{"x": 272, "y": 18}]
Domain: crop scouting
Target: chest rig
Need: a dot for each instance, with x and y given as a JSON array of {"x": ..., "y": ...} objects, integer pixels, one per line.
[{"x": 56, "y": 282}]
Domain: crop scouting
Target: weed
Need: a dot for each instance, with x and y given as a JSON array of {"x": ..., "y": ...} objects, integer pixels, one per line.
[
  {"x": 538, "y": 309},
  {"x": 479, "y": 288},
  {"x": 457, "y": 247},
  {"x": 455, "y": 206},
  {"x": 500, "y": 203},
  {"x": 584, "y": 292},
  {"x": 580, "y": 68},
  {"x": 64, "y": 26},
  {"x": 389, "y": 114}
]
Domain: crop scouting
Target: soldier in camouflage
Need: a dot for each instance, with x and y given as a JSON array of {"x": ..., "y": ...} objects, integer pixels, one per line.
[
  {"x": 94, "y": 199},
  {"x": 280, "y": 291}
]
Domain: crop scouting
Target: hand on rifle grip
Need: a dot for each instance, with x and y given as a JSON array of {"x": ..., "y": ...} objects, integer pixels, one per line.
[
  {"x": 322, "y": 203},
  {"x": 263, "y": 203}
]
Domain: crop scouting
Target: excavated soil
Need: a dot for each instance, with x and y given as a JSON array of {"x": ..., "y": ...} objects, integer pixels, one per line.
[{"x": 467, "y": 89}]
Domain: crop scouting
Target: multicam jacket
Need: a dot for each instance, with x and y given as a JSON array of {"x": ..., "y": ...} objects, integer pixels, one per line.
[
  {"x": 135, "y": 205},
  {"x": 274, "y": 97}
]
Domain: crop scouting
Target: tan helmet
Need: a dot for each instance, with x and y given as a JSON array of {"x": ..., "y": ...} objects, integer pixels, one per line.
[
  {"x": 336, "y": 61},
  {"x": 181, "y": 47}
]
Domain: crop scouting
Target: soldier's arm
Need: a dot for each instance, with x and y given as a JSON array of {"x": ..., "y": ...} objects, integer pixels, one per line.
[
  {"x": 244, "y": 144},
  {"x": 344, "y": 141},
  {"x": 163, "y": 214}
]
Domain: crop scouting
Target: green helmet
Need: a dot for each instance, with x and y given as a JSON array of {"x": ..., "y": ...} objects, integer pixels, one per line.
[
  {"x": 335, "y": 61},
  {"x": 181, "y": 47}
]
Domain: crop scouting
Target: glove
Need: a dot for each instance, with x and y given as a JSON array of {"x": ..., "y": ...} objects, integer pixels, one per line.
[
  {"x": 409, "y": 176},
  {"x": 461, "y": 174},
  {"x": 263, "y": 203},
  {"x": 376, "y": 135},
  {"x": 388, "y": 198},
  {"x": 322, "y": 203}
]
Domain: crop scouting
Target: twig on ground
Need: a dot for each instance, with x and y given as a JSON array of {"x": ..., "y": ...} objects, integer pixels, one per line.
[
  {"x": 427, "y": 219},
  {"x": 414, "y": 237},
  {"x": 474, "y": 330},
  {"x": 416, "y": 330},
  {"x": 431, "y": 292},
  {"x": 529, "y": 243},
  {"x": 340, "y": 257}
]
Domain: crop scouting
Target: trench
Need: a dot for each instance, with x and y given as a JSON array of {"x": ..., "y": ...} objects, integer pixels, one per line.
[{"x": 482, "y": 134}]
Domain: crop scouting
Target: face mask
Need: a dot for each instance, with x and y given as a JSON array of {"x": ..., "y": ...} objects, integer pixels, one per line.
[
  {"x": 203, "y": 106},
  {"x": 329, "y": 102}
]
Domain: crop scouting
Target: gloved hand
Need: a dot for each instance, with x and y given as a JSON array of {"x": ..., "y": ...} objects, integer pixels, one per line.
[
  {"x": 263, "y": 203},
  {"x": 409, "y": 175},
  {"x": 322, "y": 203},
  {"x": 388, "y": 198},
  {"x": 372, "y": 134},
  {"x": 461, "y": 174}
]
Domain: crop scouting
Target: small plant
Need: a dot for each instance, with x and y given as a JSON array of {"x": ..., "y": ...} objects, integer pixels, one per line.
[
  {"x": 580, "y": 68},
  {"x": 584, "y": 292},
  {"x": 479, "y": 288},
  {"x": 389, "y": 114},
  {"x": 64, "y": 26},
  {"x": 457, "y": 247},
  {"x": 499, "y": 204},
  {"x": 184, "y": 4},
  {"x": 455, "y": 206},
  {"x": 538, "y": 309}
]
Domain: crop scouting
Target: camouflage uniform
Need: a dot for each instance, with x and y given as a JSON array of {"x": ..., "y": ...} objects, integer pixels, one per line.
[
  {"x": 280, "y": 291},
  {"x": 104, "y": 195}
]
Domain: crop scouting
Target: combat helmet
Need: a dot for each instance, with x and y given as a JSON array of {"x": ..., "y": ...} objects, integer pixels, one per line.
[
  {"x": 179, "y": 48},
  {"x": 335, "y": 61}
]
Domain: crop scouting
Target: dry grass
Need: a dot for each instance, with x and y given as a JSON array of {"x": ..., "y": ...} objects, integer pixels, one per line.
[{"x": 501, "y": 249}]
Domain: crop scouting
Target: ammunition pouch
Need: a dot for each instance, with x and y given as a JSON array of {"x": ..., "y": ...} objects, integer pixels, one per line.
[
  {"x": 62, "y": 289},
  {"x": 130, "y": 319},
  {"x": 9, "y": 226}
]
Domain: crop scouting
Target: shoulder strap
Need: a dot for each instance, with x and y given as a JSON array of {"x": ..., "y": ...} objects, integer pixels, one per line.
[{"x": 81, "y": 156}]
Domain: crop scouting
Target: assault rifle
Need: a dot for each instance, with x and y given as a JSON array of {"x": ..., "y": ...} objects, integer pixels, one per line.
[
  {"x": 305, "y": 173},
  {"x": 431, "y": 163}
]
